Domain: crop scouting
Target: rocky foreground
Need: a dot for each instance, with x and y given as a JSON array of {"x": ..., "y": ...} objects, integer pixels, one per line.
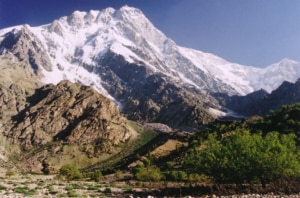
[{"x": 49, "y": 186}]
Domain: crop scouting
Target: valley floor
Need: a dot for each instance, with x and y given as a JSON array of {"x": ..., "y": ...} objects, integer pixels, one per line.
[{"x": 47, "y": 186}]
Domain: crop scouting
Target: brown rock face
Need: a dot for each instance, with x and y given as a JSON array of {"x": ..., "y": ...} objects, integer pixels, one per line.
[
  {"x": 154, "y": 97},
  {"x": 27, "y": 48},
  {"x": 72, "y": 114},
  {"x": 12, "y": 101}
]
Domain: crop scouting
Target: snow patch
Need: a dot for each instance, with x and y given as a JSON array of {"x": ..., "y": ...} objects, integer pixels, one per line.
[{"x": 216, "y": 112}]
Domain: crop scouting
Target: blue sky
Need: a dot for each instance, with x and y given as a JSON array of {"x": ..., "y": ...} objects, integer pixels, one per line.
[{"x": 249, "y": 32}]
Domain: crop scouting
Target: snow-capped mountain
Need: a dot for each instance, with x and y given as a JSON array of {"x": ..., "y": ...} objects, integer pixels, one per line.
[
  {"x": 80, "y": 40},
  {"x": 272, "y": 76},
  {"x": 124, "y": 57}
]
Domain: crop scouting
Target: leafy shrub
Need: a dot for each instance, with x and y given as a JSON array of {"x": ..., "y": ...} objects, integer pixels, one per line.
[
  {"x": 51, "y": 189},
  {"x": 9, "y": 173},
  {"x": 25, "y": 190},
  {"x": 127, "y": 189},
  {"x": 91, "y": 187},
  {"x": 3, "y": 187},
  {"x": 119, "y": 174},
  {"x": 70, "y": 172},
  {"x": 76, "y": 186},
  {"x": 97, "y": 176},
  {"x": 176, "y": 175},
  {"x": 107, "y": 190},
  {"x": 150, "y": 173},
  {"x": 194, "y": 177},
  {"x": 72, "y": 193},
  {"x": 72, "y": 187},
  {"x": 170, "y": 164}
]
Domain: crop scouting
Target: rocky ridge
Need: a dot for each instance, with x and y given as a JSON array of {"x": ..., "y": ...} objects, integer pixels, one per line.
[
  {"x": 261, "y": 102},
  {"x": 25, "y": 46},
  {"x": 70, "y": 113},
  {"x": 57, "y": 117},
  {"x": 153, "y": 97}
]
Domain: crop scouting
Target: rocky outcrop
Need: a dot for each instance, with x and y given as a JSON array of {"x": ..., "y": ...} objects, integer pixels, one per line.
[
  {"x": 21, "y": 59},
  {"x": 58, "y": 124},
  {"x": 18, "y": 80},
  {"x": 26, "y": 47},
  {"x": 70, "y": 113},
  {"x": 153, "y": 97},
  {"x": 12, "y": 99}
]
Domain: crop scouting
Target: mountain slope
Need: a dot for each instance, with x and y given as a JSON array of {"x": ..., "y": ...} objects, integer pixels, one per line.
[
  {"x": 62, "y": 121},
  {"x": 261, "y": 102},
  {"x": 70, "y": 113}
]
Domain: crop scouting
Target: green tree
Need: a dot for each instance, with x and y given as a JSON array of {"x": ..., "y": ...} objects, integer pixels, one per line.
[
  {"x": 70, "y": 172},
  {"x": 147, "y": 173},
  {"x": 245, "y": 158},
  {"x": 206, "y": 158},
  {"x": 278, "y": 157}
]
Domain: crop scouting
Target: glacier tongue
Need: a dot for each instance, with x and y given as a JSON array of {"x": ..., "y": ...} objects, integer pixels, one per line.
[{"x": 77, "y": 42}]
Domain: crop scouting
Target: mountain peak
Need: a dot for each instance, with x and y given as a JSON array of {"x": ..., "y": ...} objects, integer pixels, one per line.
[
  {"x": 286, "y": 61},
  {"x": 131, "y": 15},
  {"x": 130, "y": 11},
  {"x": 76, "y": 44},
  {"x": 123, "y": 12},
  {"x": 78, "y": 13}
]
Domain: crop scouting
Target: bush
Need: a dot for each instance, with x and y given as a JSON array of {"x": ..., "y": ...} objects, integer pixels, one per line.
[
  {"x": 151, "y": 173},
  {"x": 97, "y": 176},
  {"x": 119, "y": 174},
  {"x": 107, "y": 190},
  {"x": 194, "y": 177},
  {"x": 127, "y": 189},
  {"x": 3, "y": 187},
  {"x": 70, "y": 172},
  {"x": 9, "y": 173},
  {"x": 51, "y": 189},
  {"x": 69, "y": 188},
  {"x": 25, "y": 190},
  {"x": 170, "y": 164},
  {"x": 176, "y": 176},
  {"x": 72, "y": 193},
  {"x": 73, "y": 186}
]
